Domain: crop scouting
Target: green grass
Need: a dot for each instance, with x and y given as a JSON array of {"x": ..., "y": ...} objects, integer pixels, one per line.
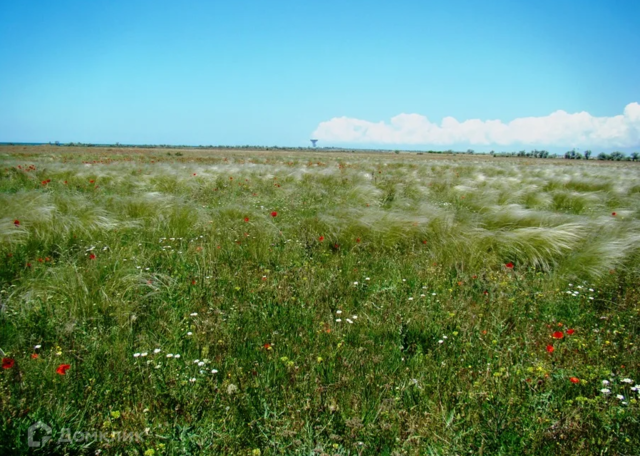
[{"x": 375, "y": 314}]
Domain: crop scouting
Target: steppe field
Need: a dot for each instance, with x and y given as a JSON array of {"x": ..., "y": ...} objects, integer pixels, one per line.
[{"x": 163, "y": 302}]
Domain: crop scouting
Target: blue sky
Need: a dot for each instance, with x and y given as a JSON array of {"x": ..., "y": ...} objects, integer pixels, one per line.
[{"x": 374, "y": 73}]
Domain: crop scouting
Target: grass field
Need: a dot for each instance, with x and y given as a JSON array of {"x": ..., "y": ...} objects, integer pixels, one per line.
[{"x": 307, "y": 303}]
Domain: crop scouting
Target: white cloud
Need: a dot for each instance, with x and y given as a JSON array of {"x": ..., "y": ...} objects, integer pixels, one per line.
[{"x": 557, "y": 129}]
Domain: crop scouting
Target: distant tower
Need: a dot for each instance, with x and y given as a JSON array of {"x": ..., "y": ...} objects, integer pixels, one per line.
[{"x": 314, "y": 141}]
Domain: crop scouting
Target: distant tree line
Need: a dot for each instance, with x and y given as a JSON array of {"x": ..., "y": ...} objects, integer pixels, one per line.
[
  {"x": 613, "y": 156},
  {"x": 569, "y": 155}
]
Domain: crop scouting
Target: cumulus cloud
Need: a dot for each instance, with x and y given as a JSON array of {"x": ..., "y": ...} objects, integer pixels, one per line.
[{"x": 557, "y": 129}]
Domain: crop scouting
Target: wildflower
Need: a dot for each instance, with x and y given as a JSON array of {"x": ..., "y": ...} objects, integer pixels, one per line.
[
  {"x": 613, "y": 214},
  {"x": 192, "y": 380},
  {"x": 157, "y": 350},
  {"x": 509, "y": 265},
  {"x": 232, "y": 389},
  {"x": 169, "y": 355},
  {"x": 319, "y": 359},
  {"x": 189, "y": 333},
  {"x": 355, "y": 283},
  {"x": 358, "y": 240},
  {"x": 550, "y": 348},
  {"x": 635, "y": 388},
  {"x": 196, "y": 361},
  {"x": 338, "y": 312},
  {"x": 144, "y": 354},
  {"x": 574, "y": 379},
  {"x": 214, "y": 371},
  {"x": 34, "y": 356},
  {"x": 338, "y": 320},
  {"x": 36, "y": 347},
  {"x": 63, "y": 368},
  {"x": 321, "y": 238},
  {"x": 194, "y": 314},
  {"x": 626, "y": 380},
  {"x": 355, "y": 317},
  {"x": 620, "y": 396},
  {"x": 349, "y": 321},
  {"x": 246, "y": 219},
  {"x": 367, "y": 278},
  {"x": 605, "y": 390},
  {"x": 16, "y": 222},
  {"x": 274, "y": 214},
  {"x": 7, "y": 363},
  {"x": 605, "y": 382},
  {"x": 558, "y": 335},
  {"x": 267, "y": 346},
  {"x": 570, "y": 332},
  {"x": 176, "y": 356},
  {"x": 92, "y": 256},
  {"x": 201, "y": 363}
]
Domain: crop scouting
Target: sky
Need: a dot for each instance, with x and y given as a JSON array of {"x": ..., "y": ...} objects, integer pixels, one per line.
[{"x": 417, "y": 75}]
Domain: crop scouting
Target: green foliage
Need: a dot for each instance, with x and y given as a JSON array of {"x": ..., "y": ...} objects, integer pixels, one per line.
[{"x": 393, "y": 305}]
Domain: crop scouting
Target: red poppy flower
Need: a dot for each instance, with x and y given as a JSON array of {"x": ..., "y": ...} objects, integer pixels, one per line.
[
  {"x": 92, "y": 256},
  {"x": 336, "y": 246},
  {"x": 28, "y": 265},
  {"x": 63, "y": 368},
  {"x": 558, "y": 335},
  {"x": 550, "y": 348},
  {"x": 509, "y": 265},
  {"x": 570, "y": 332},
  {"x": 321, "y": 238},
  {"x": 358, "y": 240},
  {"x": 246, "y": 219},
  {"x": 267, "y": 346},
  {"x": 274, "y": 214},
  {"x": 16, "y": 222},
  {"x": 34, "y": 356},
  {"x": 91, "y": 181},
  {"x": 193, "y": 282},
  {"x": 7, "y": 363},
  {"x": 424, "y": 241},
  {"x": 613, "y": 213},
  {"x": 574, "y": 379}
]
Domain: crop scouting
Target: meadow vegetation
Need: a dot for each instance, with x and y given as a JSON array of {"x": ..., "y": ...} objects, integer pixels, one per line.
[{"x": 318, "y": 303}]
